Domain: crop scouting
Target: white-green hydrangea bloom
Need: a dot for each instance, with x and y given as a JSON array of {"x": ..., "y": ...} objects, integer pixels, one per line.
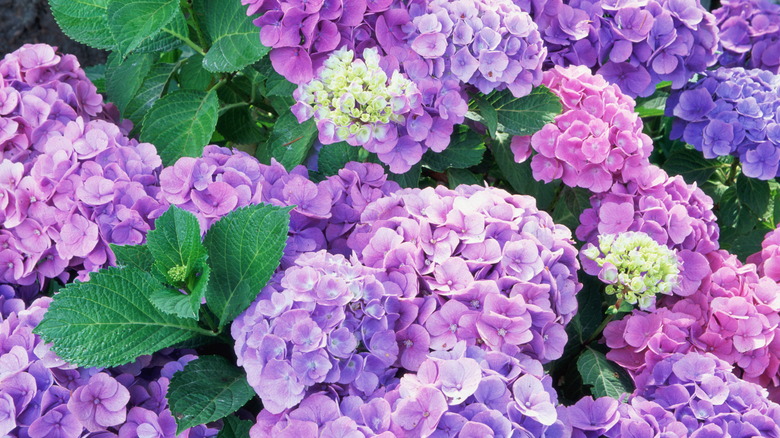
[
  {"x": 635, "y": 267},
  {"x": 353, "y": 100}
]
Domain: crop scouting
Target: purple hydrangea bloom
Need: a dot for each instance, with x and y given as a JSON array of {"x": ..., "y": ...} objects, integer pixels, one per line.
[
  {"x": 749, "y": 34},
  {"x": 731, "y": 111}
]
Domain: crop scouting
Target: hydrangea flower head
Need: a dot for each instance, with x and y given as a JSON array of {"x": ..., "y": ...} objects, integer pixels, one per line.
[
  {"x": 768, "y": 259},
  {"x": 731, "y": 111},
  {"x": 634, "y": 266},
  {"x": 749, "y": 34},
  {"x": 354, "y": 100},
  {"x": 596, "y": 141}
]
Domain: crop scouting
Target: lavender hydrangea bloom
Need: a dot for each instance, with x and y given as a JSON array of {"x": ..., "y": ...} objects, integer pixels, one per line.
[
  {"x": 749, "y": 34},
  {"x": 71, "y": 181},
  {"x": 731, "y": 111},
  {"x": 635, "y": 45}
]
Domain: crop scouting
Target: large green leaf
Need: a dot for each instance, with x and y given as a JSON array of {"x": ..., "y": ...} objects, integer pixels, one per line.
[
  {"x": 409, "y": 179},
  {"x": 134, "y": 22},
  {"x": 110, "y": 320},
  {"x": 86, "y": 21},
  {"x": 235, "y": 41},
  {"x": 125, "y": 76},
  {"x": 754, "y": 194},
  {"x": 456, "y": 177},
  {"x": 607, "y": 378},
  {"x": 207, "y": 389},
  {"x": 691, "y": 165},
  {"x": 135, "y": 256},
  {"x": 244, "y": 249},
  {"x": 239, "y": 126},
  {"x": 465, "y": 150},
  {"x": 233, "y": 427},
  {"x": 333, "y": 157},
  {"x": 289, "y": 142},
  {"x": 525, "y": 115},
  {"x": 169, "y": 38},
  {"x": 180, "y": 124},
  {"x": 153, "y": 87}
]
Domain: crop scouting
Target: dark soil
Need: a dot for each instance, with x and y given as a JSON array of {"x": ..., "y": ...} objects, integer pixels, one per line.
[{"x": 30, "y": 21}]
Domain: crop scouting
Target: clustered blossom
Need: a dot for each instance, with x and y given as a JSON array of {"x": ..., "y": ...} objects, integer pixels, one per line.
[
  {"x": 487, "y": 267},
  {"x": 734, "y": 314},
  {"x": 41, "y": 396},
  {"x": 731, "y": 111},
  {"x": 749, "y": 34},
  {"x": 356, "y": 102},
  {"x": 224, "y": 179},
  {"x": 768, "y": 259},
  {"x": 492, "y": 45},
  {"x": 467, "y": 392},
  {"x": 635, "y": 267},
  {"x": 71, "y": 181},
  {"x": 670, "y": 211},
  {"x": 634, "y": 44},
  {"x": 596, "y": 141}
]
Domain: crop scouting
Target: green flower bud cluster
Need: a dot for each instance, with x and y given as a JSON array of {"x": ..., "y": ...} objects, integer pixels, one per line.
[
  {"x": 635, "y": 267},
  {"x": 351, "y": 97}
]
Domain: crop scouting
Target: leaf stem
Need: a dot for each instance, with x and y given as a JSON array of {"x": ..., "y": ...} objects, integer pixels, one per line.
[
  {"x": 229, "y": 107},
  {"x": 187, "y": 6},
  {"x": 606, "y": 321},
  {"x": 732, "y": 172},
  {"x": 186, "y": 41}
]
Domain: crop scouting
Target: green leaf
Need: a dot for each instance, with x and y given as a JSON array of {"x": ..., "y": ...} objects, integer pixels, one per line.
[
  {"x": 729, "y": 208},
  {"x": 456, "y": 177},
  {"x": 169, "y": 38},
  {"x": 488, "y": 114},
  {"x": 607, "y": 378},
  {"x": 409, "y": 179},
  {"x": 652, "y": 106},
  {"x": 519, "y": 175},
  {"x": 753, "y": 193},
  {"x": 465, "y": 150},
  {"x": 691, "y": 165},
  {"x": 239, "y": 126},
  {"x": 97, "y": 75},
  {"x": 133, "y": 22},
  {"x": 152, "y": 89},
  {"x": 110, "y": 320},
  {"x": 277, "y": 85},
  {"x": 528, "y": 114},
  {"x": 588, "y": 317},
  {"x": 86, "y": 21},
  {"x": 133, "y": 256},
  {"x": 173, "y": 302},
  {"x": 233, "y": 427},
  {"x": 289, "y": 142},
  {"x": 235, "y": 40},
  {"x": 125, "y": 76},
  {"x": 192, "y": 75},
  {"x": 244, "y": 249},
  {"x": 333, "y": 157},
  {"x": 572, "y": 201},
  {"x": 743, "y": 243},
  {"x": 180, "y": 124},
  {"x": 207, "y": 389},
  {"x": 175, "y": 244}
]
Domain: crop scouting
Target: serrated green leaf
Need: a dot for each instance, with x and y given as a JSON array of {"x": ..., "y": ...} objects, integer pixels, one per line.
[
  {"x": 277, "y": 85},
  {"x": 235, "y": 42},
  {"x": 488, "y": 114},
  {"x": 134, "y": 22},
  {"x": 753, "y": 193},
  {"x": 289, "y": 142},
  {"x": 652, "y": 106},
  {"x": 691, "y": 165},
  {"x": 134, "y": 256},
  {"x": 86, "y": 21},
  {"x": 528, "y": 114},
  {"x": 333, "y": 157},
  {"x": 192, "y": 75},
  {"x": 125, "y": 76},
  {"x": 239, "y": 126},
  {"x": 207, "y": 389},
  {"x": 233, "y": 427},
  {"x": 244, "y": 249},
  {"x": 519, "y": 175},
  {"x": 465, "y": 150},
  {"x": 150, "y": 92},
  {"x": 169, "y": 38},
  {"x": 456, "y": 177},
  {"x": 173, "y": 302},
  {"x": 607, "y": 378},
  {"x": 175, "y": 244},
  {"x": 110, "y": 320},
  {"x": 181, "y": 123}
]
